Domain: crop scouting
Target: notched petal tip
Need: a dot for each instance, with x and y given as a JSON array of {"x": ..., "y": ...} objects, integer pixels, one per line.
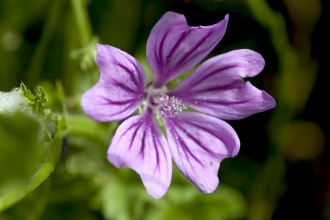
[
  {"x": 198, "y": 144},
  {"x": 268, "y": 100},
  {"x": 120, "y": 88},
  {"x": 174, "y": 17},
  {"x": 216, "y": 86},
  {"x": 174, "y": 47},
  {"x": 254, "y": 62},
  {"x": 116, "y": 65}
]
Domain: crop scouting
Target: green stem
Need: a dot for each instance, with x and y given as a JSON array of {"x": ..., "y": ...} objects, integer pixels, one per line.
[
  {"x": 37, "y": 62},
  {"x": 82, "y": 20},
  {"x": 51, "y": 162}
]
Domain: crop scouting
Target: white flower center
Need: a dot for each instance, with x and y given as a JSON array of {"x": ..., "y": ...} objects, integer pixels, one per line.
[
  {"x": 162, "y": 104},
  {"x": 169, "y": 106}
]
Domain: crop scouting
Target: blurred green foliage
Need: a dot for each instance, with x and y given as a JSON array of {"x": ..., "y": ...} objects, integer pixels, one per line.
[
  {"x": 30, "y": 147},
  {"x": 36, "y": 102},
  {"x": 22, "y": 161},
  {"x": 53, "y": 157}
]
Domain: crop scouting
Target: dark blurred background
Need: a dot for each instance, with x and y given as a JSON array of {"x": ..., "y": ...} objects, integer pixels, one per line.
[{"x": 283, "y": 168}]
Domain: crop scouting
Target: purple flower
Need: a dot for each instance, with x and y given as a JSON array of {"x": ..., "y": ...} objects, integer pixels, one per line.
[{"x": 197, "y": 142}]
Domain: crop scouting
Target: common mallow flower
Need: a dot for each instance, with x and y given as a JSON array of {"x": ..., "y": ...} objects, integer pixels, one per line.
[{"x": 197, "y": 141}]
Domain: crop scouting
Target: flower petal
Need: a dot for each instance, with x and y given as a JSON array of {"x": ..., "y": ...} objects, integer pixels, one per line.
[
  {"x": 198, "y": 144},
  {"x": 120, "y": 88},
  {"x": 140, "y": 145},
  {"x": 174, "y": 47},
  {"x": 217, "y": 88}
]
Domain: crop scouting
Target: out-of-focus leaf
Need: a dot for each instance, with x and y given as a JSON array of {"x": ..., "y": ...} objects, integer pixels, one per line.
[
  {"x": 24, "y": 154},
  {"x": 19, "y": 153},
  {"x": 36, "y": 102},
  {"x": 311, "y": 9},
  {"x": 86, "y": 55},
  {"x": 225, "y": 203},
  {"x": 92, "y": 130},
  {"x": 120, "y": 24},
  {"x": 24, "y": 149},
  {"x": 115, "y": 204},
  {"x": 31, "y": 206},
  {"x": 27, "y": 93},
  {"x": 302, "y": 140},
  {"x": 128, "y": 200}
]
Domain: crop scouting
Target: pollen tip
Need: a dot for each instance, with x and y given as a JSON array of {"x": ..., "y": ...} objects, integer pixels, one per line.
[{"x": 170, "y": 106}]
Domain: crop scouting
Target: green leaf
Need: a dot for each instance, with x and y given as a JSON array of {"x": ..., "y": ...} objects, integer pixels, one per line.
[
  {"x": 224, "y": 203},
  {"x": 27, "y": 93},
  {"x": 114, "y": 202},
  {"x": 36, "y": 102},
  {"x": 31, "y": 143},
  {"x": 19, "y": 146},
  {"x": 21, "y": 150}
]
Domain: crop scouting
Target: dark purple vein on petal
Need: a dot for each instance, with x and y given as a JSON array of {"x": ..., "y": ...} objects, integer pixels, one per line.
[
  {"x": 130, "y": 73},
  {"x": 215, "y": 88},
  {"x": 159, "y": 56},
  {"x": 121, "y": 111},
  {"x": 124, "y": 102},
  {"x": 208, "y": 131},
  {"x": 142, "y": 149},
  {"x": 132, "y": 138},
  {"x": 157, "y": 154},
  {"x": 212, "y": 73},
  {"x": 139, "y": 74},
  {"x": 160, "y": 146},
  {"x": 179, "y": 152},
  {"x": 209, "y": 48},
  {"x": 127, "y": 130},
  {"x": 186, "y": 151},
  {"x": 190, "y": 53},
  {"x": 196, "y": 141},
  {"x": 173, "y": 131},
  {"x": 198, "y": 91},
  {"x": 221, "y": 102},
  {"x": 182, "y": 37},
  {"x": 122, "y": 86},
  {"x": 203, "y": 129}
]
